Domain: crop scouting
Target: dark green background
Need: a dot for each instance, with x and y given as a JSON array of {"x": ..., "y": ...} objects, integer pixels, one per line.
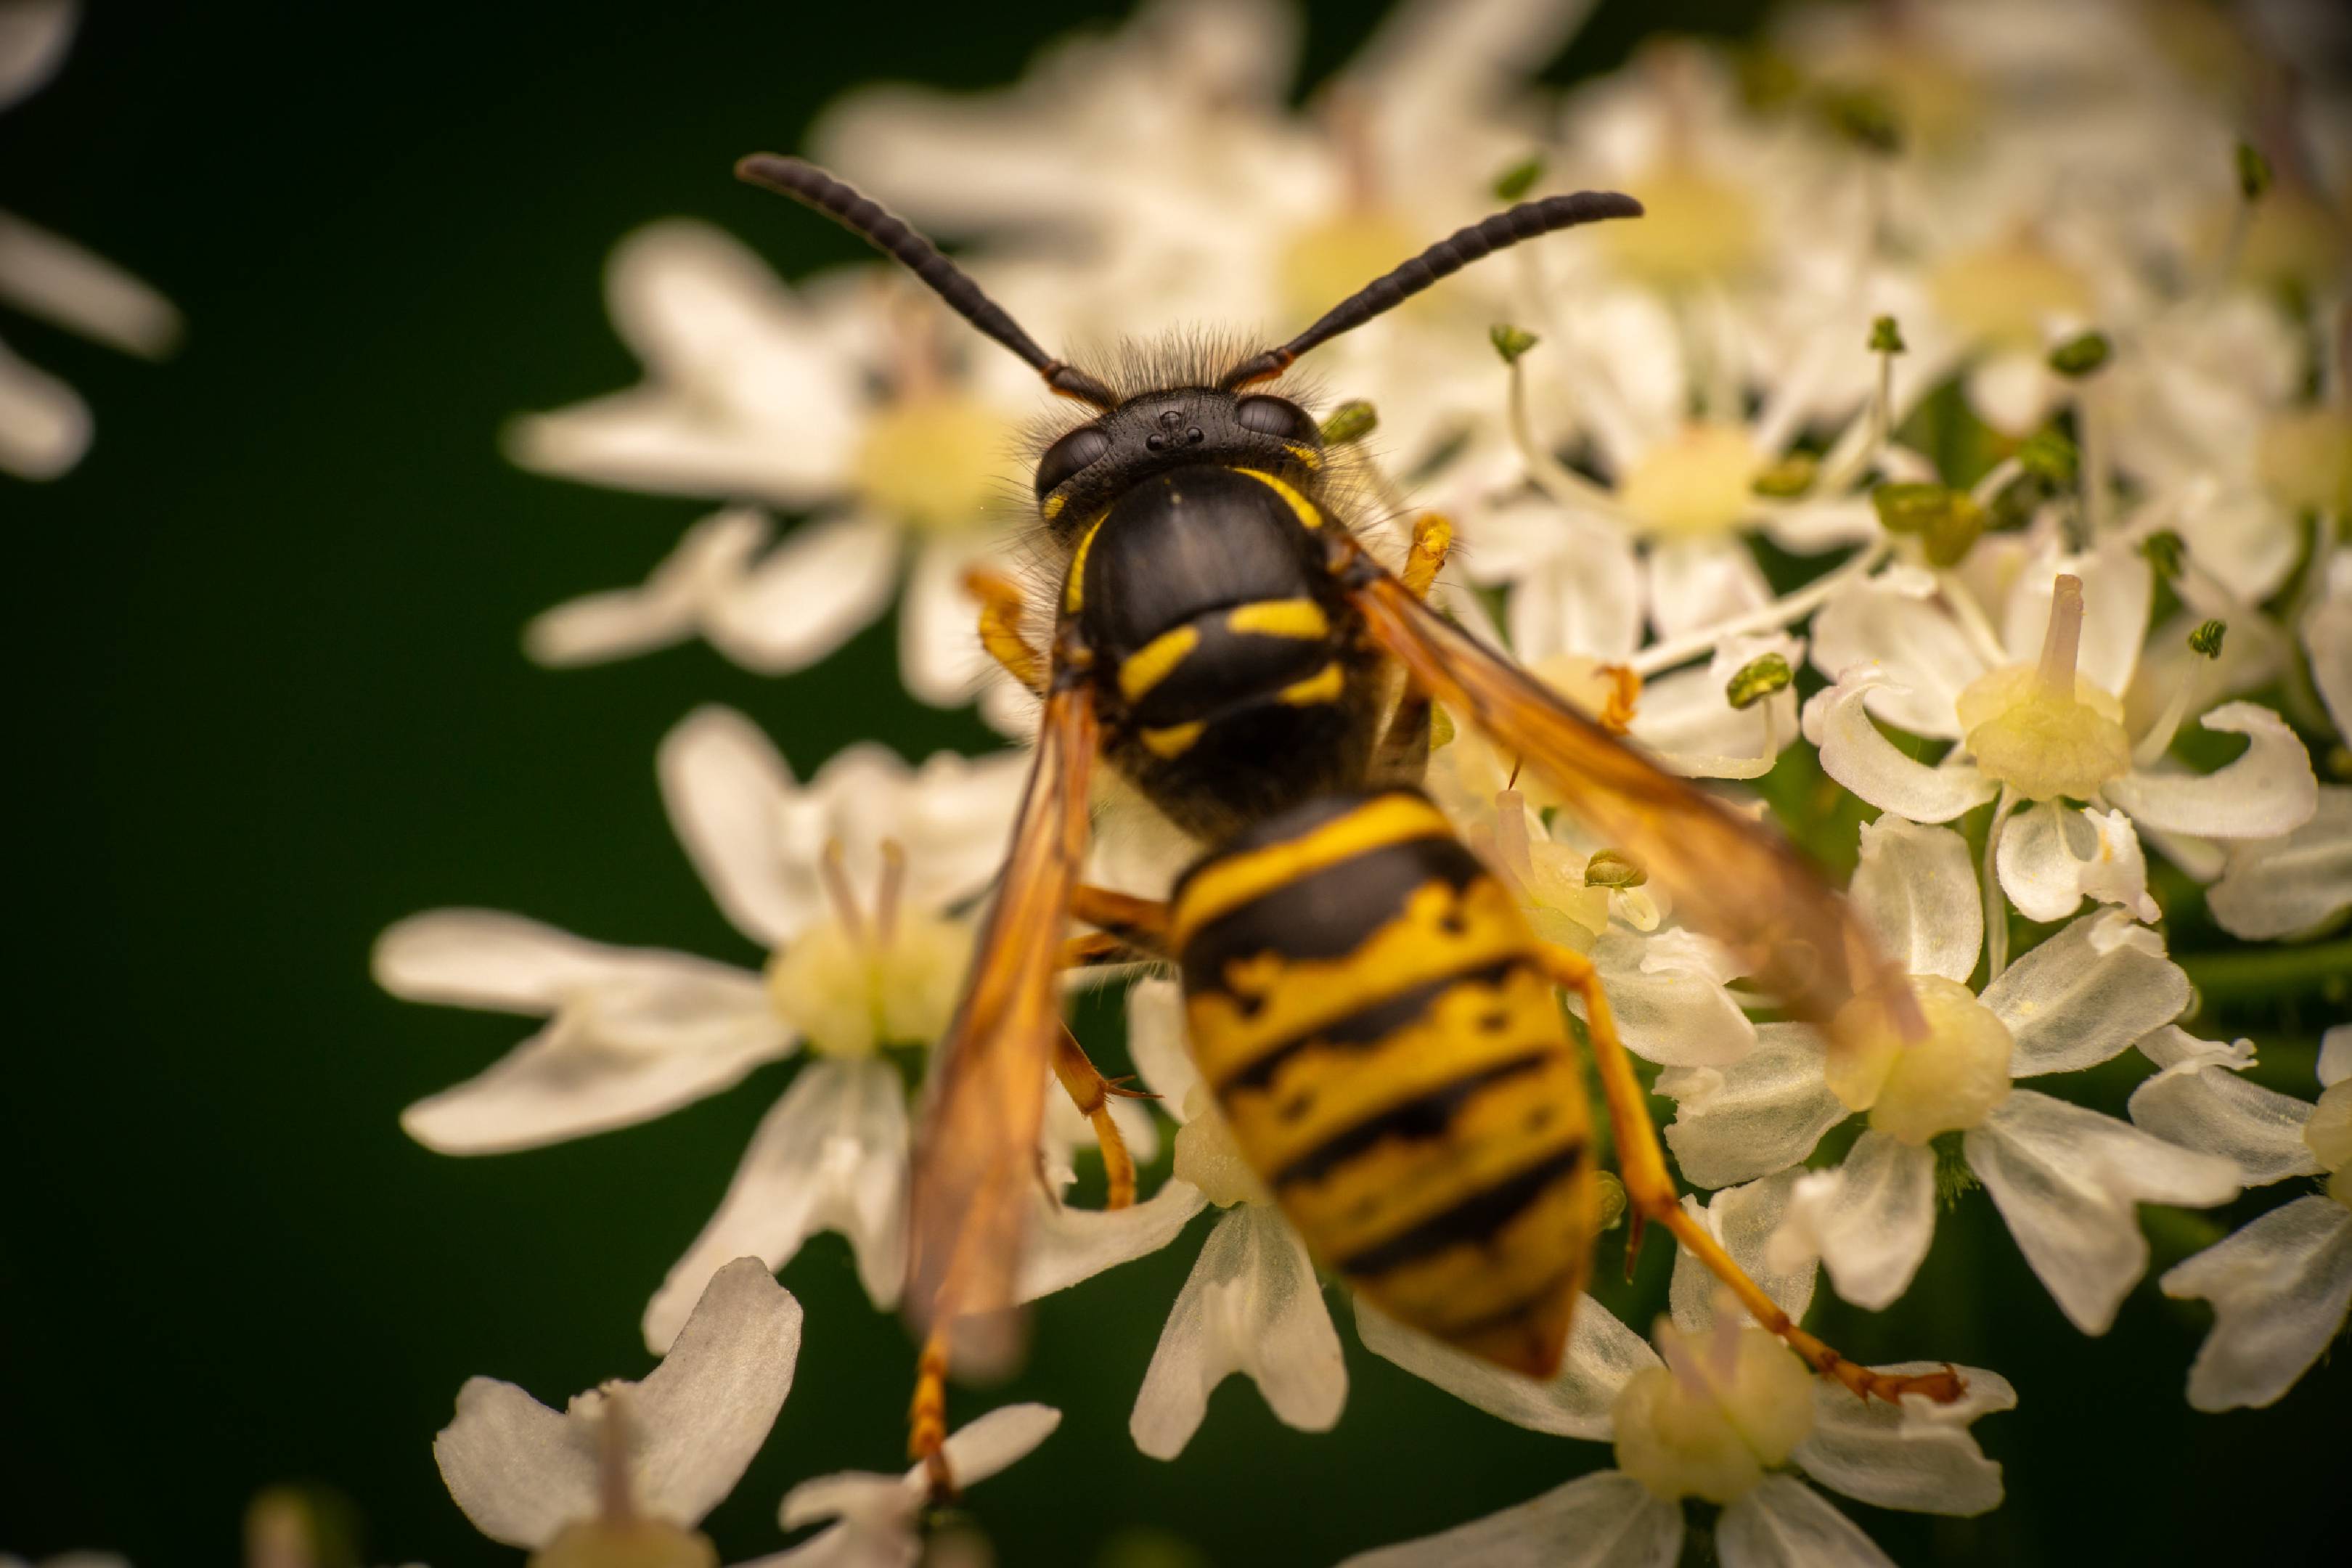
[{"x": 268, "y": 698}]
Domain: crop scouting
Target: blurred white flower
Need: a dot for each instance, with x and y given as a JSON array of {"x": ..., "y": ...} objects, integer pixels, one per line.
[
  {"x": 764, "y": 394},
  {"x": 1252, "y": 1303},
  {"x": 2065, "y": 1178},
  {"x": 879, "y": 1520},
  {"x": 45, "y": 426},
  {"x": 2037, "y": 719},
  {"x": 2286, "y": 886},
  {"x": 2281, "y": 1285},
  {"x": 1725, "y": 1414},
  {"x": 638, "y": 1033},
  {"x": 627, "y": 1470}
]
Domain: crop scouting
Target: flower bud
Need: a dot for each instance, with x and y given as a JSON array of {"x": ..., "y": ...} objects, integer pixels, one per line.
[{"x": 1511, "y": 341}]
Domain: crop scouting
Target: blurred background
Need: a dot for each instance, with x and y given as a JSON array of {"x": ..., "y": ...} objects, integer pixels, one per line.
[{"x": 270, "y": 698}]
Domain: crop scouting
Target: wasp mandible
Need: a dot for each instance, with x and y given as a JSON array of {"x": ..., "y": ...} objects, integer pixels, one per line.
[{"x": 1377, "y": 1020}]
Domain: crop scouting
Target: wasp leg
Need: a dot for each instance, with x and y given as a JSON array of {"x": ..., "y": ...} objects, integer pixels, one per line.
[
  {"x": 1091, "y": 1093},
  {"x": 1650, "y": 1194},
  {"x": 1140, "y": 924},
  {"x": 1433, "y": 537},
  {"x": 1002, "y": 607},
  {"x": 927, "y": 1414}
]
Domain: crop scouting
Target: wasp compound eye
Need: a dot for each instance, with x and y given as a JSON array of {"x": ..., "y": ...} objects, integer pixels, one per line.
[
  {"x": 1275, "y": 417},
  {"x": 1080, "y": 449}
]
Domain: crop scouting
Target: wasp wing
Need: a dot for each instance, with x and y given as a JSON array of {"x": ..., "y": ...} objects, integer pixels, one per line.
[
  {"x": 975, "y": 1165},
  {"x": 1731, "y": 879}
]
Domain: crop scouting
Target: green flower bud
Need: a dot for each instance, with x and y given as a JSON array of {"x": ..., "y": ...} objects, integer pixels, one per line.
[
  {"x": 1862, "y": 117},
  {"x": 2049, "y": 456},
  {"x": 1519, "y": 179},
  {"x": 1791, "y": 476},
  {"x": 1352, "y": 421},
  {"x": 1885, "y": 336},
  {"x": 1611, "y": 868},
  {"x": 1511, "y": 341},
  {"x": 1947, "y": 521},
  {"x": 2253, "y": 171},
  {"x": 2164, "y": 551},
  {"x": 1755, "y": 681},
  {"x": 2079, "y": 356},
  {"x": 2207, "y": 638}
]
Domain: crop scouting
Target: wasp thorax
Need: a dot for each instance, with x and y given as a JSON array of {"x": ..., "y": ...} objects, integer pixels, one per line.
[
  {"x": 1728, "y": 1406},
  {"x": 1697, "y": 482},
  {"x": 932, "y": 462}
]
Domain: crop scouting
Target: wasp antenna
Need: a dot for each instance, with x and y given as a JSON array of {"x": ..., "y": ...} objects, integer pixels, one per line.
[
  {"x": 891, "y": 235},
  {"x": 1447, "y": 257}
]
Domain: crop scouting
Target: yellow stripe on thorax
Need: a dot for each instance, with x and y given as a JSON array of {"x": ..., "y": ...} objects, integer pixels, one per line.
[
  {"x": 1301, "y": 619},
  {"x": 1152, "y": 663},
  {"x": 1173, "y": 742},
  {"x": 1074, "y": 591},
  {"x": 1238, "y": 879},
  {"x": 1324, "y": 685},
  {"x": 1299, "y": 505}
]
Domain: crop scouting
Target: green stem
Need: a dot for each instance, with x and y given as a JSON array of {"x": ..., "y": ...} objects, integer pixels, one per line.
[{"x": 2268, "y": 969}]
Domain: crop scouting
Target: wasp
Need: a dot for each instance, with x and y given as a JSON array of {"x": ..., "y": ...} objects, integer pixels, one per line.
[{"x": 1377, "y": 1018}]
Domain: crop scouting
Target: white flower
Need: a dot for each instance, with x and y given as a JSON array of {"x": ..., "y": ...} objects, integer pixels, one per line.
[
  {"x": 759, "y": 392},
  {"x": 2281, "y": 1285},
  {"x": 2066, "y": 1180},
  {"x": 2327, "y": 633},
  {"x": 628, "y": 1469},
  {"x": 2037, "y": 726},
  {"x": 2285, "y": 886},
  {"x": 634, "y": 1034},
  {"x": 45, "y": 426},
  {"x": 1724, "y": 1415},
  {"x": 1252, "y": 1303},
  {"x": 878, "y": 1519}
]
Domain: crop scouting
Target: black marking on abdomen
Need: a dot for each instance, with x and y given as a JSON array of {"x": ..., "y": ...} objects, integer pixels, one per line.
[
  {"x": 1424, "y": 1116},
  {"x": 1469, "y": 1222},
  {"x": 1327, "y": 913},
  {"x": 1366, "y": 1026}
]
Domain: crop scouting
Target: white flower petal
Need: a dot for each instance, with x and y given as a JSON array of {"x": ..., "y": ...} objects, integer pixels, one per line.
[
  {"x": 881, "y": 1516},
  {"x": 623, "y": 1053},
  {"x": 1870, "y": 1220},
  {"x": 1784, "y": 1523},
  {"x": 2089, "y": 991},
  {"x": 45, "y": 426},
  {"x": 997, "y": 1441},
  {"x": 830, "y": 1155},
  {"x": 33, "y": 38},
  {"x": 1758, "y": 1115},
  {"x": 1700, "y": 583},
  {"x": 2284, "y": 886},
  {"x": 1587, "y": 600},
  {"x": 517, "y": 1469},
  {"x": 1855, "y": 753},
  {"x": 668, "y": 608},
  {"x": 2012, "y": 390},
  {"x": 1892, "y": 622},
  {"x": 697, "y": 1421},
  {"x": 726, "y": 786},
  {"x": 2335, "y": 1056},
  {"x": 497, "y": 961},
  {"x": 1917, "y": 1455},
  {"x": 2200, "y": 1101},
  {"x": 49, "y": 276},
  {"x": 1669, "y": 1006},
  {"x": 1252, "y": 1305},
  {"x": 1916, "y": 892},
  {"x": 2268, "y": 791},
  {"x": 1602, "y": 1353},
  {"x": 827, "y": 581},
  {"x": 1745, "y": 1219},
  {"x": 1607, "y": 1519},
  {"x": 1156, "y": 1043},
  {"x": 2280, "y": 1289},
  {"x": 2066, "y": 1180},
  {"x": 2328, "y": 638},
  {"x": 1066, "y": 1245},
  {"x": 940, "y": 655},
  {"x": 2052, "y": 855}
]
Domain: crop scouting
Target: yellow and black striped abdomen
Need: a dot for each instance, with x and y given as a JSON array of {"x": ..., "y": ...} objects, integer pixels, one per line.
[{"x": 1363, "y": 997}]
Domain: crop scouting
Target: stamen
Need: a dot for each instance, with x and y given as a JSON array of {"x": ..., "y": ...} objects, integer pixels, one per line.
[
  {"x": 2063, "y": 639},
  {"x": 832, "y": 870},
  {"x": 1511, "y": 832},
  {"x": 885, "y": 898},
  {"x": 1563, "y": 484}
]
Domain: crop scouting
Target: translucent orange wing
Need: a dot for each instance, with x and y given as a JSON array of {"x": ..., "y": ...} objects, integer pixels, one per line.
[
  {"x": 975, "y": 1165},
  {"x": 1728, "y": 877}
]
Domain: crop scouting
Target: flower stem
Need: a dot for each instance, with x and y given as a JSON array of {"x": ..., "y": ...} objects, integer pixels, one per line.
[{"x": 2257, "y": 971}]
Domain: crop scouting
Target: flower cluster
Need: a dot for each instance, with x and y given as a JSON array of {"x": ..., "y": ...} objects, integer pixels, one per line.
[{"x": 1953, "y": 466}]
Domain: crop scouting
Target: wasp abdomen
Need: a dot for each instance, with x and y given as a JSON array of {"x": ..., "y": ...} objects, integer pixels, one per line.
[{"x": 1363, "y": 997}]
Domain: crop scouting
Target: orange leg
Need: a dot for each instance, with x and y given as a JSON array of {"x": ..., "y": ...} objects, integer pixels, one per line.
[
  {"x": 1433, "y": 537},
  {"x": 1650, "y": 1194},
  {"x": 927, "y": 1414},
  {"x": 1138, "y": 923},
  {"x": 1091, "y": 1093},
  {"x": 1001, "y": 608}
]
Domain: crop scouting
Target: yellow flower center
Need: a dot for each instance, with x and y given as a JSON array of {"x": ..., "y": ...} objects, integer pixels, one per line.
[
  {"x": 849, "y": 994},
  {"x": 1949, "y": 1080},
  {"x": 1325, "y": 262},
  {"x": 2006, "y": 295},
  {"x": 932, "y": 463},
  {"x": 2305, "y": 459},
  {"x": 2330, "y": 1134},
  {"x": 2041, "y": 728},
  {"x": 1697, "y": 482},
  {"x": 2292, "y": 242},
  {"x": 627, "y": 1544},
  {"x": 1715, "y": 1417},
  {"x": 1207, "y": 1156},
  {"x": 1694, "y": 229}
]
